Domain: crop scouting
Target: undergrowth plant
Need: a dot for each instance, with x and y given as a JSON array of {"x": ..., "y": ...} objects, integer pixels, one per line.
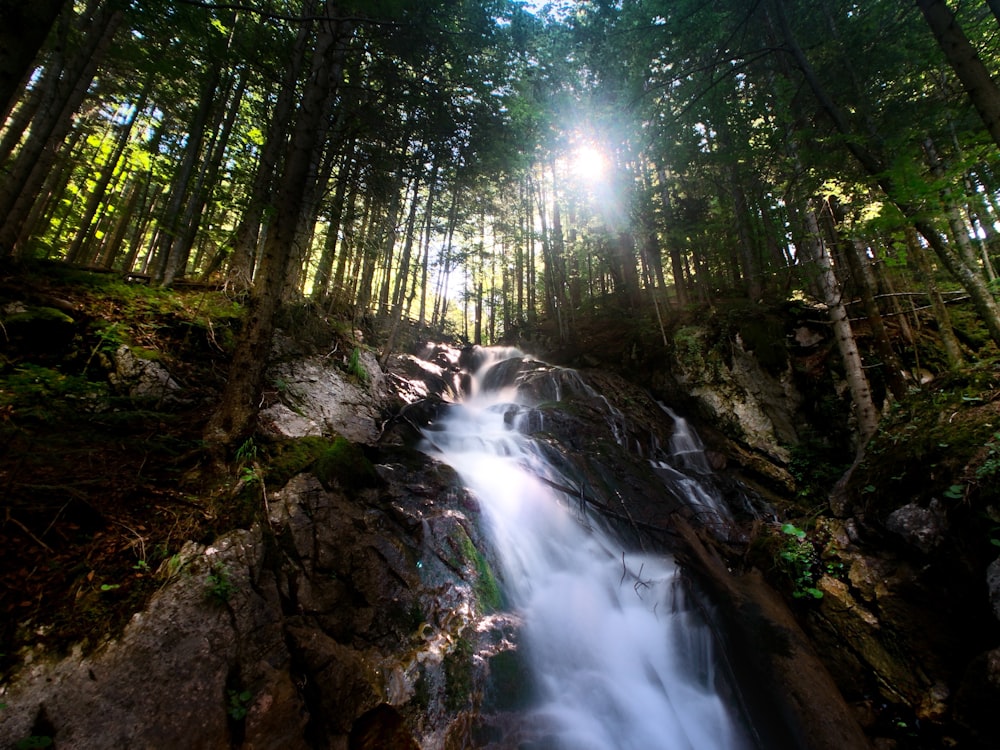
[
  {"x": 355, "y": 368},
  {"x": 799, "y": 561}
]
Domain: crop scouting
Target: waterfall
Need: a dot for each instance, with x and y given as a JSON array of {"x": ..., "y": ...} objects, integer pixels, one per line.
[{"x": 622, "y": 659}]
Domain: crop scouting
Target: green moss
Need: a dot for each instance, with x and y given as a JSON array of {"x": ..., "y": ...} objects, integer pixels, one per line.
[
  {"x": 458, "y": 676},
  {"x": 43, "y": 315},
  {"x": 344, "y": 463},
  {"x": 932, "y": 443},
  {"x": 290, "y": 457},
  {"x": 689, "y": 346},
  {"x": 485, "y": 586},
  {"x": 44, "y": 393}
]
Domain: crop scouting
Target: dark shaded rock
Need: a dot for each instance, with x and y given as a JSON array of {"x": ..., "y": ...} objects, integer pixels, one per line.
[
  {"x": 803, "y": 707},
  {"x": 977, "y": 698},
  {"x": 993, "y": 585},
  {"x": 924, "y": 528},
  {"x": 345, "y": 604},
  {"x": 382, "y": 728}
]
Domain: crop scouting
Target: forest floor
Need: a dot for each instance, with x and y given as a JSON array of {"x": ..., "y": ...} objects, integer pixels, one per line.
[{"x": 99, "y": 488}]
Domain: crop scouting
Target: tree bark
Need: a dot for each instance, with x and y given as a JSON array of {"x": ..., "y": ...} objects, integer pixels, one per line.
[
  {"x": 107, "y": 171},
  {"x": 247, "y": 235},
  {"x": 973, "y": 282},
  {"x": 24, "y": 24},
  {"x": 234, "y": 420},
  {"x": 964, "y": 60},
  {"x": 48, "y": 131},
  {"x": 857, "y": 382}
]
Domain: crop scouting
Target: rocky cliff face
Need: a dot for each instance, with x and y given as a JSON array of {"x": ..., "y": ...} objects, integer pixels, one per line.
[{"x": 362, "y": 612}]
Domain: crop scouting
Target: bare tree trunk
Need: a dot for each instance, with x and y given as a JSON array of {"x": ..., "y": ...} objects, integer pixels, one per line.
[
  {"x": 972, "y": 281},
  {"x": 891, "y": 367},
  {"x": 864, "y": 407},
  {"x": 953, "y": 351},
  {"x": 107, "y": 171},
  {"x": 24, "y": 24},
  {"x": 247, "y": 235},
  {"x": 345, "y": 176},
  {"x": 234, "y": 419},
  {"x": 964, "y": 60},
  {"x": 34, "y": 160}
]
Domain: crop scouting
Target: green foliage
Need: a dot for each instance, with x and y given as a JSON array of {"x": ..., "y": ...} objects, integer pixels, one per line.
[
  {"x": 44, "y": 393},
  {"x": 989, "y": 469},
  {"x": 799, "y": 561},
  {"x": 354, "y": 367},
  {"x": 220, "y": 585},
  {"x": 815, "y": 466},
  {"x": 955, "y": 492},
  {"x": 239, "y": 704},
  {"x": 344, "y": 463},
  {"x": 689, "y": 346}
]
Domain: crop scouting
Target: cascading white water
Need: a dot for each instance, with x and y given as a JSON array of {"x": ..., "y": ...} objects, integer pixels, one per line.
[{"x": 622, "y": 660}]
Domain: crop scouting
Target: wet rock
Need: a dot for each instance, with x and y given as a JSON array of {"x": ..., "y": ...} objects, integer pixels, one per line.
[
  {"x": 993, "y": 586},
  {"x": 738, "y": 392},
  {"x": 924, "y": 528},
  {"x": 337, "y": 606}
]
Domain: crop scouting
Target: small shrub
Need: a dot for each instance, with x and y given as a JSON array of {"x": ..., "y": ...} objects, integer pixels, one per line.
[
  {"x": 239, "y": 704},
  {"x": 220, "y": 586},
  {"x": 799, "y": 561},
  {"x": 354, "y": 367}
]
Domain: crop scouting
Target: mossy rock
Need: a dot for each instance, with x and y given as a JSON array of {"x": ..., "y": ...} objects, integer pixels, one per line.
[
  {"x": 290, "y": 457},
  {"x": 458, "y": 676},
  {"x": 510, "y": 686},
  {"x": 488, "y": 594},
  {"x": 40, "y": 329},
  {"x": 344, "y": 463}
]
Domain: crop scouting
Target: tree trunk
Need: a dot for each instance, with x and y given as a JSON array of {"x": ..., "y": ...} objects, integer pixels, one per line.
[
  {"x": 857, "y": 382},
  {"x": 24, "y": 24},
  {"x": 973, "y": 282},
  {"x": 953, "y": 351},
  {"x": 234, "y": 419},
  {"x": 247, "y": 235},
  {"x": 107, "y": 171},
  {"x": 171, "y": 227},
  {"x": 891, "y": 367},
  {"x": 964, "y": 60},
  {"x": 349, "y": 247},
  {"x": 35, "y": 158},
  {"x": 345, "y": 176}
]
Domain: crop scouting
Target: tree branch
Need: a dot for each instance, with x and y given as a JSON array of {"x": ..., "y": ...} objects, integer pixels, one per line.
[{"x": 282, "y": 17}]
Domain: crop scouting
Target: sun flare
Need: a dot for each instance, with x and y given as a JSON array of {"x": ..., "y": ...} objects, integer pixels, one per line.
[{"x": 589, "y": 163}]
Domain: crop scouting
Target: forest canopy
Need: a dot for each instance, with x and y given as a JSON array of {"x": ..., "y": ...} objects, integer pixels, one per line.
[{"x": 479, "y": 167}]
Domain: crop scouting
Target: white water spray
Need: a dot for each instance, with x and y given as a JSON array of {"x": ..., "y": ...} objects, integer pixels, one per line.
[{"x": 622, "y": 660}]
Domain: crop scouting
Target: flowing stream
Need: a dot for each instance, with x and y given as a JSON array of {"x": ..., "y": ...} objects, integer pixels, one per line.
[{"x": 622, "y": 658}]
